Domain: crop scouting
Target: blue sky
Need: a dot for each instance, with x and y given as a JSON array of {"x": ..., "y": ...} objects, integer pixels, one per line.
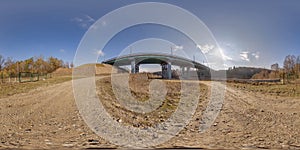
[{"x": 250, "y": 33}]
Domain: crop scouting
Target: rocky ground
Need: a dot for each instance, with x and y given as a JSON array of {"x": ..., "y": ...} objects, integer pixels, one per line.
[{"x": 47, "y": 118}]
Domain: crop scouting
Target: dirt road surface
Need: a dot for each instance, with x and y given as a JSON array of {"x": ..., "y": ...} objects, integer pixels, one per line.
[{"x": 47, "y": 117}]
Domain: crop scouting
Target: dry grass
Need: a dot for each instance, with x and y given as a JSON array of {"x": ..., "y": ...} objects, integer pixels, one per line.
[
  {"x": 8, "y": 89},
  {"x": 140, "y": 91},
  {"x": 284, "y": 90},
  {"x": 62, "y": 72}
]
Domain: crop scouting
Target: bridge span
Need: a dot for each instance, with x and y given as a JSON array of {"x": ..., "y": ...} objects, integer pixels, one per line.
[{"x": 165, "y": 60}]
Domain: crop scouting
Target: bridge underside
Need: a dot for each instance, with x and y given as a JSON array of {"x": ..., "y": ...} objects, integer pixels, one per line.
[{"x": 165, "y": 61}]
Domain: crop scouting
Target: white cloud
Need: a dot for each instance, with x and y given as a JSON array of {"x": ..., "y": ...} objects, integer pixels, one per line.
[
  {"x": 84, "y": 21},
  {"x": 208, "y": 48},
  {"x": 244, "y": 56},
  {"x": 100, "y": 53},
  {"x": 208, "y": 64},
  {"x": 177, "y": 47},
  {"x": 249, "y": 56},
  {"x": 225, "y": 57},
  {"x": 205, "y": 48},
  {"x": 90, "y": 19},
  {"x": 255, "y": 55}
]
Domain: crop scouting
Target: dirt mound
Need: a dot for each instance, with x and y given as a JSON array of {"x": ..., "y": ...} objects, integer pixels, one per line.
[
  {"x": 97, "y": 69},
  {"x": 102, "y": 69},
  {"x": 62, "y": 72}
]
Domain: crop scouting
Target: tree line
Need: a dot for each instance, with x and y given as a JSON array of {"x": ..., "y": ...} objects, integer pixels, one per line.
[
  {"x": 11, "y": 67},
  {"x": 290, "y": 69}
]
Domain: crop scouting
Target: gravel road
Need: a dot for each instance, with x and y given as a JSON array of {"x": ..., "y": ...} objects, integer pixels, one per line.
[{"x": 47, "y": 118}]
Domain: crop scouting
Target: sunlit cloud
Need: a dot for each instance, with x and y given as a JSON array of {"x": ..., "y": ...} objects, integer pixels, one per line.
[
  {"x": 100, "y": 53},
  {"x": 249, "y": 56},
  {"x": 255, "y": 55},
  {"x": 205, "y": 48},
  {"x": 177, "y": 47},
  {"x": 225, "y": 57},
  {"x": 244, "y": 56},
  {"x": 209, "y": 63}
]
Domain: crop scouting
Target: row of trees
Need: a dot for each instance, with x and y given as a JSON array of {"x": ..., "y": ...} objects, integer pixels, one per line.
[
  {"x": 11, "y": 67},
  {"x": 290, "y": 70}
]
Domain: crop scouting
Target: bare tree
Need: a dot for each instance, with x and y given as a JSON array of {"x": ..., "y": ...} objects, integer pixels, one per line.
[
  {"x": 9, "y": 61},
  {"x": 275, "y": 67},
  {"x": 289, "y": 66},
  {"x": 289, "y": 63},
  {"x": 2, "y": 61},
  {"x": 10, "y": 65}
]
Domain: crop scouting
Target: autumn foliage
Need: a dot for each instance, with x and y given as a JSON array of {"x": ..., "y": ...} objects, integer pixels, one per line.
[{"x": 10, "y": 67}]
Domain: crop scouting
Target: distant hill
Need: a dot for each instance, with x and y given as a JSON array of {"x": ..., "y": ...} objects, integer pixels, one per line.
[
  {"x": 244, "y": 72},
  {"x": 235, "y": 73},
  {"x": 238, "y": 72}
]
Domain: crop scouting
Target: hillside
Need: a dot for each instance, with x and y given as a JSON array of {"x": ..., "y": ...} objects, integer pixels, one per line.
[
  {"x": 62, "y": 72},
  {"x": 238, "y": 73},
  {"x": 97, "y": 69},
  {"x": 243, "y": 72}
]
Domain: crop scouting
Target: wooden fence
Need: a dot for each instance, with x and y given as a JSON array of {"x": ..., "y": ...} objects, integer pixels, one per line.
[{"x": 24, "y": 77}]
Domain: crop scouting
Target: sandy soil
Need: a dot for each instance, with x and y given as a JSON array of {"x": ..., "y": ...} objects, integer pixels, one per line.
[{"x": 47, "y": 117}]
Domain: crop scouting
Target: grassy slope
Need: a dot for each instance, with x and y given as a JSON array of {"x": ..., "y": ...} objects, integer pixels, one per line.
[{"x": 284, "y": 90}]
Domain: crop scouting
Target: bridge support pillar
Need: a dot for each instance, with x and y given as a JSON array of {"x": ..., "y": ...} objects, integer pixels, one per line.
[
  {"x": 137, "y": 68},
  {"x": 188, "y": 72},
  {"x": 185, "y": 72},
  {"x": 133, "y": 67},
  {"x": 182, "y": 72},
  {"x": 166, "y": 71},
  {"x": 169, "y": 70}
]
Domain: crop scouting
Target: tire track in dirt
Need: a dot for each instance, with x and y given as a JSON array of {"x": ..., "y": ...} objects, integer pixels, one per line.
[
  {"x": 47, "y": 117},
  {"x": 247, "y": 120}
]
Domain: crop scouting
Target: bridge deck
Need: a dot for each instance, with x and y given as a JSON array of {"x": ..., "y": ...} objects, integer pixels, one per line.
[{"x": 151, "y": 58}]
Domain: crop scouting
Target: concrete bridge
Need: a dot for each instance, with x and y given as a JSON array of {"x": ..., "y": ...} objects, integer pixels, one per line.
[{"x": 165, "y": 60}]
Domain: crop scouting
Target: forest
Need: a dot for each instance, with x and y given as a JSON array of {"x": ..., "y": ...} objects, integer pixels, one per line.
[{"x": 11, "y": 68}]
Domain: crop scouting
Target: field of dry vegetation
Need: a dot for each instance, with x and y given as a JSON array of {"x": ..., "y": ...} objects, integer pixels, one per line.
[
  {"x": 140, "y": 91},
  {"x": 43, "y": 115},
  {"x": 272, "y": 89}
]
